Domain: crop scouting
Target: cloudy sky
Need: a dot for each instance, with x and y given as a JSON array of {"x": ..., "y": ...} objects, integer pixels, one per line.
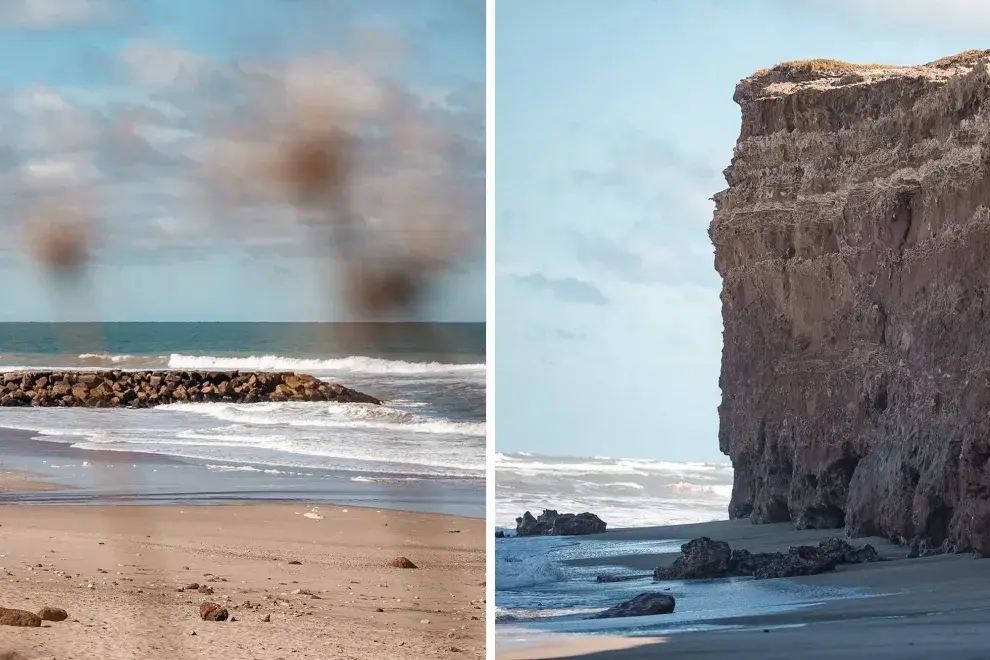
[
  {"x": 121, "y": 104},
  {"x": 613, "y": 123}
]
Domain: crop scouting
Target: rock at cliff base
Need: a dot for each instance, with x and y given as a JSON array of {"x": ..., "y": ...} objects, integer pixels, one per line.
[
  {"x": 551, "y": 523},
  {"x": 646, "y": 604},
  {"x": 700, "y": 559},
  {"x": 704, "y": 558}
]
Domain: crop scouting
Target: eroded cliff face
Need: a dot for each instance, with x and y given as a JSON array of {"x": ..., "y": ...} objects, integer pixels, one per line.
[{"x": 854, "y": 246}]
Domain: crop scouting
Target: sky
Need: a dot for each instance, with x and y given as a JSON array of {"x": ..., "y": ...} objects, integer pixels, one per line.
[
  {"x": 613, "y": 123},
  {"x": 122, "y": 105}
]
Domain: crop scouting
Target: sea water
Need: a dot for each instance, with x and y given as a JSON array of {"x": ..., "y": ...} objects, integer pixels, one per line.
[
  {"x": 539, "y": 594},
  {"x": 431, "y": 378}
]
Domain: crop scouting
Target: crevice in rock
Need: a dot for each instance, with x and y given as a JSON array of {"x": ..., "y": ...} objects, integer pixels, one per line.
[{"x": 880, "y": 398}]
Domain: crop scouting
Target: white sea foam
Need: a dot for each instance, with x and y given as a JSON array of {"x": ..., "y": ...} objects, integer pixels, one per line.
[
  {"x": 516, "y": 571},
  {"x": 330, "y": 415},
  {"x": 106, "y": 357},
  {"x": 251, "y": 468},
  {"x": 353, "y": 364}
]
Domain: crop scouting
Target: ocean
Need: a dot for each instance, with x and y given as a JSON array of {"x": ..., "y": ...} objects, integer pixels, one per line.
[
  {"x": 542, "y": 588},
  {"x": 426, "y": 443},
  {"x": 624, "y": 492}
]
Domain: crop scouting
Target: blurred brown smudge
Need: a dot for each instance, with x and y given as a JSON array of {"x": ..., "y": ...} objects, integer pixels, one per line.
[{"x": 59, "y": 235}]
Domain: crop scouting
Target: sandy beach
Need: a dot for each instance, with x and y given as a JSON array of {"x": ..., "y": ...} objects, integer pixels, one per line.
[
  {"x": 298, "y": 581},
  {"x": 917, "y": 608}
]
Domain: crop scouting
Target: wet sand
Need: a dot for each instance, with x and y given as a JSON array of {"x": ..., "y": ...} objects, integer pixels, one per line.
[
  {"x": 123, "y": 574},
  {"x": 920, "y": 608}
]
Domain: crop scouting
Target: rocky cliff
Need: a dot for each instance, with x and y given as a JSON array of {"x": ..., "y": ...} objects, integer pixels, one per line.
[
  {"x": 145, "y": 389},
  {"x": 854, "y": 246}
]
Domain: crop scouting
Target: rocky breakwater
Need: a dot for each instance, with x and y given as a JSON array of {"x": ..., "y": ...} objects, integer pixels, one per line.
[
  {"x": 146, "y": 389},
  {"x": 854, "y": 246}
]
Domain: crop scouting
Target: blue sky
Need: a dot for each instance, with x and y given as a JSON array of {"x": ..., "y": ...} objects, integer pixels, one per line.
[
  {"x": 613, "y": 122},
  {"x": 173, "y": 73}
]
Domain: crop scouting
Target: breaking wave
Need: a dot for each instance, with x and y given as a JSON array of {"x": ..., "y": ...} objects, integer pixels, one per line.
[{"x": 353, "y": 364}]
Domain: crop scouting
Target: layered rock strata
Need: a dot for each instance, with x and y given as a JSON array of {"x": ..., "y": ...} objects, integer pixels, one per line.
[
  {"x": 854, "y": 246},
  {"x": 145, "y": 389}
]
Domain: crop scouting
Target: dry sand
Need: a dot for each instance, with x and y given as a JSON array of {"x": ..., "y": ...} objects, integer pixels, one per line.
[
  {"x": 118, "y": 572},
  {"x": 923, "y": 608}
]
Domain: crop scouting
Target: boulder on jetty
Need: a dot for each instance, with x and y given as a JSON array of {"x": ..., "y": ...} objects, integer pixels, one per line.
[
  {"x": 642, "y": 605},
  {"x": 146, "y": 389},
  {"x": 704, "y": 558},
  {"x": 551, "y": 523}
]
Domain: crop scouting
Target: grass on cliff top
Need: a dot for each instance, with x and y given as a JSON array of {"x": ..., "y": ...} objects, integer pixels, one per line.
[
  {"x": 960, "y": 59},
  {"x": 822, "y": 65}
]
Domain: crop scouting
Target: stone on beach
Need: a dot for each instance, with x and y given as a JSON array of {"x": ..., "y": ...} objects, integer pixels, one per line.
[
  {"x": 704, "y": 558},
  {"x": 212, "y": 612},
  {"x": 642, "y": 605},
  {"x": 20, "y": 618},
  {"x": 402, "y": 562},
  {"x": 53, "y": 614},
  {"x": 551, "y": 523}
]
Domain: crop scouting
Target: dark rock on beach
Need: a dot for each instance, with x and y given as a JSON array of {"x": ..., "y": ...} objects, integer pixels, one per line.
[
  {"x": 146, "y": 389},
  {"x": 551, "y": 523},
  {"x": 609, "y": 579},
  {"x": 53, "y": 614},
  {"x": 853, "y": 242},
  {"x": 642, "y": 605},
  {"x": 212, "y": 612},
  {"x": 704, "y": 558}
]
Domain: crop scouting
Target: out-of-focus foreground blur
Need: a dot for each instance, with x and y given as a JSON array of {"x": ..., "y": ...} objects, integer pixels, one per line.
[{"x": 343, "y": 140}]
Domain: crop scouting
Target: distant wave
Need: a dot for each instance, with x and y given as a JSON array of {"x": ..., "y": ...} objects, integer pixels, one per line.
[
  {"x": 625, "y": 492},
  {"x": 354, "y": 364},
  {"x": 535, "y": 464},
  {"x": 114, "y": 359}
]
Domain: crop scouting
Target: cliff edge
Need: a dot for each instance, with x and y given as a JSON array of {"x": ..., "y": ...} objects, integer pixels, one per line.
[{"x": 854, "y": 246}]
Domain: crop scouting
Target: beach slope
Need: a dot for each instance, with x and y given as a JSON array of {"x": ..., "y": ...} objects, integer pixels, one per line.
[{"x": 297, "y": 581}]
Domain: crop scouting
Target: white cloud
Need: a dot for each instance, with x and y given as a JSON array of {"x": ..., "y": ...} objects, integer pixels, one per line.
[
  {"x": 158, "y": 65},
  {"x": 66, "y": 171},
  {"x": 52, "y": 13},
  {"x": 959, "y": 16}
]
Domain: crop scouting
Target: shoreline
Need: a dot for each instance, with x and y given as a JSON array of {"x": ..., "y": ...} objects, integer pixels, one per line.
[
  {"x": 101, "y": 477},
  {"x": 898, "y": 608}
]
